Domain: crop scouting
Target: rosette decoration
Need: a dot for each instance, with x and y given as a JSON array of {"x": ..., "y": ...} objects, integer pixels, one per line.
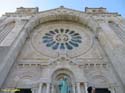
[{"x": 63, "y": 39}]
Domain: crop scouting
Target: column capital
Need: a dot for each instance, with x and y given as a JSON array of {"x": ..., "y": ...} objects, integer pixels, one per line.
[
  {"x": 78, "y": 82},
  {"x": 40, "y": 83},
  {"x": 48, "y": 82}
]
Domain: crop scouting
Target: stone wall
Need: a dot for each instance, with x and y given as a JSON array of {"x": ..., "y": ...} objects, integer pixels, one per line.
[{"x": 29, "y": 63}]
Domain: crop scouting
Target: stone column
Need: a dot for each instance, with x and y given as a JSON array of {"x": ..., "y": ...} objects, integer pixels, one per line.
[
  {"x": 74, "y": 88},
  {"x": 48, "y": 88},
  {"x": 40, "y": 88},
  {"x": 112, "y": 89},
  {"x": 33, "y": 90},
  {"x": 86, "y": 86},
  {"x": 78, "y": 87},
  {"x": 52, "y": 88}
]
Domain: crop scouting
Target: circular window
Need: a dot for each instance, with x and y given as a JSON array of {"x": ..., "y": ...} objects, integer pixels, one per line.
[
  {"x": 62, "y": 39},
  {"x": 57, "y": 39}
]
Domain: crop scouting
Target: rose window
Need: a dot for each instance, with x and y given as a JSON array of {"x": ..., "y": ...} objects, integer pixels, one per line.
[{"x": 62, "y": 39}]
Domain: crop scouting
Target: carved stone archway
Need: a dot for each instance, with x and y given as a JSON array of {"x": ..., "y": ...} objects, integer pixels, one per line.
[
  {"x": 58, "y": 75},
  {"x": 41, "y": 18}
]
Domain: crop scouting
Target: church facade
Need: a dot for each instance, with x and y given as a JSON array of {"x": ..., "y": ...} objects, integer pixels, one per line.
[{"x": 54, "y": 50}]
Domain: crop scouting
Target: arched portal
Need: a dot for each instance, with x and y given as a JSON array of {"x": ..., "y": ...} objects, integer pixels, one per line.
[{"x": 58, "y": 79}]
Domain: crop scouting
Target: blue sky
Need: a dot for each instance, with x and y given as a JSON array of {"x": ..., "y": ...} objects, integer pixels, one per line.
[{"x": 111, "y": 5}]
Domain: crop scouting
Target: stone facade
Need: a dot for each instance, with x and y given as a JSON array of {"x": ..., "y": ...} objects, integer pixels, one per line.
[{"x": 37, "y": 49}]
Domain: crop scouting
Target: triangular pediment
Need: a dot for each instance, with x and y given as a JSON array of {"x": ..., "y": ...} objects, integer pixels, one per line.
[{"x": 63, "y": 9}]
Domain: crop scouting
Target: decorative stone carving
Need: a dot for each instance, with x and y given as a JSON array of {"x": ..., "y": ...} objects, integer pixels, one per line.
[{"x": 63, "y": 38}]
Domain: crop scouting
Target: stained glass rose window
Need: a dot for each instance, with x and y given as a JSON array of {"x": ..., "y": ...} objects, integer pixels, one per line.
[{"x": 62, "y": 39}]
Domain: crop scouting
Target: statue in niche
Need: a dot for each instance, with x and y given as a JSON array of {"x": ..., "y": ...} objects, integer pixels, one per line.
[{"x": 64, "y": 86}]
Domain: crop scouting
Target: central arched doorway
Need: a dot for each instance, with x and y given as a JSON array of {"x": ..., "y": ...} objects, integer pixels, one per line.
[{"x": 60, "y": 77}]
